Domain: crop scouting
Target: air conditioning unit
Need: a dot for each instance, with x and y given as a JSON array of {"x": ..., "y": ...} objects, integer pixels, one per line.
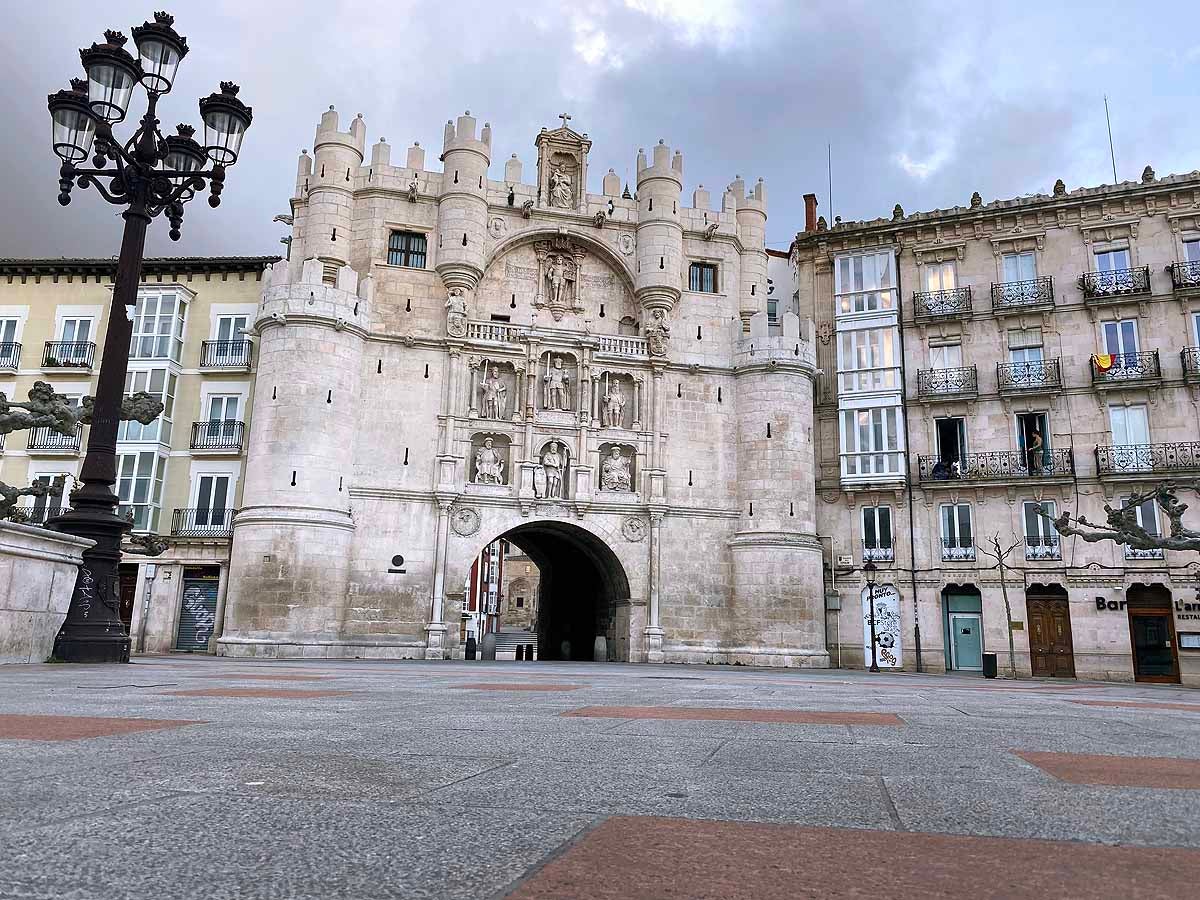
[{"x": 845, "y": 560}]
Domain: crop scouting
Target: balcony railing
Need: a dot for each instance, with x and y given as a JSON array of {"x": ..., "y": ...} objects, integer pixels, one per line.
[
  {"x": 225, "y": 354},
  {"x": 1000, "y": 465},
  {"x": 934, "y": 383},
  {"x": 621, "y": 345},
  {"x": 225, "y": 434},
  {"x": 1138, "y": 553},
  {"x": 942, "y": 304},
  {"x": 496, "y": 332},
  {"x": 202, "y": 522},
  {"x": 1030, "y": 376},
  {"x": 1125, "y": 367},
  {"x": 1035, "y": 292},
  {"x": 956, "y": 551},
  {"x": 879, "y": 554},
  {"x": 68, "y": 355},
  {"x": 1190, "y": 358},
  {"x": 1185, "y": 276},
  {"x": 1042, "y": 548},
  {"x": 1115, "y": 283},
  {"x": 1121, "y": 458},
  {"x": 10, "y": 356},
  {"x": 38, "y": 513},
  {"x": 45, "y": 438}
]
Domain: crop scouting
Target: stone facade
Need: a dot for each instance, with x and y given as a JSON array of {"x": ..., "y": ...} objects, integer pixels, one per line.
[
  {"x": 439, "y": 366},
  {"x": 946, "y": 340},
  {"x": 37, "y": 575}
]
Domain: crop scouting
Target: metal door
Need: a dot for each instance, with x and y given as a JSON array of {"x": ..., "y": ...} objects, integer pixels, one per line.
[
  {"x": 966, "y": 641},
  {"x": 198, "y": 609},
  {"x": 1153, "y": 636}
]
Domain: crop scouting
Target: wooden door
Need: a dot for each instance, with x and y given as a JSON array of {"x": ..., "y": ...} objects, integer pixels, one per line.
[
  {"x": 1051, "y": 650},
  {"x": 1152, "y": 633},
  {"x": 127, "y": 579}
]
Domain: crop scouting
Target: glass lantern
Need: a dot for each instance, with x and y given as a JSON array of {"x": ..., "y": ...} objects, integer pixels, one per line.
[
  {"x": 112, "y": 73},
  {"x": 160, "y": 50},
  {"x": 226, "y": 119},
  {"x": 74, "y": 128}
]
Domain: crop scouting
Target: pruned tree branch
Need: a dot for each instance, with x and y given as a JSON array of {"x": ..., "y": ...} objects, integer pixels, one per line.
[{"x": 1122, "y": 527}]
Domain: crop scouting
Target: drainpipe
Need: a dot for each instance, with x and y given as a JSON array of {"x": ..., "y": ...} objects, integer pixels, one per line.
[{"x": 912, "y": 540}]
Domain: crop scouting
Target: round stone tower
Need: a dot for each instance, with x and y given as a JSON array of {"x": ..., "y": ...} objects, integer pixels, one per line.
[
  {"x": 329, "y": 214},
  {"x": 752, "y": 231},
  {"x": 658, "y": 275},
  {"x": 462, "y": 206}
]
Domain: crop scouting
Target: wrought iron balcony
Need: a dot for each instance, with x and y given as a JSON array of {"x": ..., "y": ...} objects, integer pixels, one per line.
[
  {"x": 942, "y": 304},
  {"x": 46, "y": 440},
  {"x": 1029, "y": 377},
  {"x": 1127, "y": 367},
  {"x": 1185, "y": 276},
  {"x": 225, "y": 354},
  {"x": 1116, "y": 284},
  {"x": 1138, "y": 553},
  {"x": 10, "y": 356},
  {"x": 1043, "y": 548},
  {"x": 38, "y": 513},
  {"x": 1119, "y": 459},
  {"x": 202, "y": 522},
  {"x": 1020, "y": 295},
  {"x": 223, "y": 434},
  {"x": 68, "y": 355},
  {"x": 954, "y": 550},
  {"x": 1000, "y": 465},
  {"x": 933, "y": 384},
  {"x": 1190, "y": 358},
  {"x": 879, "y": 554}
]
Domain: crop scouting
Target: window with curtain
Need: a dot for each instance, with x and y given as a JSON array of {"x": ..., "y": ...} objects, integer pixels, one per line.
[
  {"x": 871, "y": 441},
  {"x": 161, "y": 383},
  {"x": 406, "y": 248},
  {"x": 868, "y": 359},
  {"x": 702, "y": 277},
  {"x": 158, "y": 320},
  {"x": 864, "y": 283}
]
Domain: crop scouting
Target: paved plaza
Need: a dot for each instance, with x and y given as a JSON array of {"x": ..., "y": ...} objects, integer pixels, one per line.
[{"x": 181, "y": 777}]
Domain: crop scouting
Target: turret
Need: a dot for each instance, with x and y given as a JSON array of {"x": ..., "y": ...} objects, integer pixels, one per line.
[
  {"x": 752, "y": 232},
  {"x": 336, "y": 158},
  {"x": 462, "y": 206},
  {"x": 658, "y": 278}
]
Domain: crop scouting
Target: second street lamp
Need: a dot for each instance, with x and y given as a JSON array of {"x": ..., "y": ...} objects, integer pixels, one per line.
[
  {"x": 148, "y": 175},
  {"x": 869, "y": 572}
]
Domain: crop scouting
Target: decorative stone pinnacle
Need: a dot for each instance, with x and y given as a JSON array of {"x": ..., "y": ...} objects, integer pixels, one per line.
[
  {"x": 976, "y": 200},
  {"x": 1060, "y": 189}
]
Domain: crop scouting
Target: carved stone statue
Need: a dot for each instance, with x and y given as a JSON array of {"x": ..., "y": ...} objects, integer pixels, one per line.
[
  {"x": 614, "y": 474},
  {"x": 553, "y": 462},
  {"x": 494, "y": 397},
  {"x": 658, "y": 333},
  {"x": 614, "y": 406},
  {"x": 560, "y": 189},
  {"x": 489, "y": 467},
  {"x": 456, "y": 313},
  {"x": 559, "y": 274},
  {"x": 557, "y": 382}
]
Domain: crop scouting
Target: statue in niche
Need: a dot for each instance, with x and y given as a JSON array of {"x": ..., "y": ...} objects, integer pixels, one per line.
[
  {"x": 560, "y": 189},
  {"x": 489, "y": 467},
  {"x": 559, "y": 275},
  {"x": 557, "y": 384},
  {"x": 553, "y": 461},
  {"x": 614, "y": 474},
  {"x": 494, "y": 395},
  {"x": 658, "y": 333},
  {"x": 456, "y": 313},
  {"x": 614, "y": 406}
]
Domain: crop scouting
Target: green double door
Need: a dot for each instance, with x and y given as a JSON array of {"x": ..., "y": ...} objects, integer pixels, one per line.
[{"x": 963, "y": 630}]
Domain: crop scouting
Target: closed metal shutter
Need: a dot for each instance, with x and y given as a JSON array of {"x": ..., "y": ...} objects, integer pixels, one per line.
[{"x": 198, "y": 609}]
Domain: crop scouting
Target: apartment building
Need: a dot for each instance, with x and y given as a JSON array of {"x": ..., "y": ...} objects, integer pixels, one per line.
[
  {"x": 180, "y": 476},
  {"x": 982, "y": 361}
]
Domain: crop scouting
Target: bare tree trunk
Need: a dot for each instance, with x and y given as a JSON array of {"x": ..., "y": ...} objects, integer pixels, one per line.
[{"x": 1012, "y": 653}]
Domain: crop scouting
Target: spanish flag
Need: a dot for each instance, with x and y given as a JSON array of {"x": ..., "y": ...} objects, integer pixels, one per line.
[{"x": 1103, "y": 361}]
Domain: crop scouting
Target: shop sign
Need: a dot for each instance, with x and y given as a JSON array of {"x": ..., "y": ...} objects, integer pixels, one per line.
[
  {"x": 887, "y": 626},
  {"x": 1187, "y": 610},
  {"x": 1102, "y": 604}
]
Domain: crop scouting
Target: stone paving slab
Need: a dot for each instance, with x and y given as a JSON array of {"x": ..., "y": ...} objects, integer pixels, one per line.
[{"x": 73, "y": 728}]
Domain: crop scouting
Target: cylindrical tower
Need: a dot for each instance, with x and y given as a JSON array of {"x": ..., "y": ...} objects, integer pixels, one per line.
[
  {"x": 658, "y": 276},
  {"x": 328, "y": 219},
  {"x": 752, "y": 232},
  {"x": 462, "y": 206}
]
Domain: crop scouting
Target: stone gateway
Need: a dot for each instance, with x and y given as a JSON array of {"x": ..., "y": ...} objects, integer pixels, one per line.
[{"x": 448, "y": 358}]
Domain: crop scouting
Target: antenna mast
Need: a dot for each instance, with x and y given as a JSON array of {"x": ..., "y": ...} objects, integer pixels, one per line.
[{"x": 1111, "y": 152}]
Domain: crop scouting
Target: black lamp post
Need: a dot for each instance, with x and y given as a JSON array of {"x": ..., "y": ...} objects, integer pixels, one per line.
[
  {"x": 149, "y": 175},
  {"x": 869, "y": 573}
]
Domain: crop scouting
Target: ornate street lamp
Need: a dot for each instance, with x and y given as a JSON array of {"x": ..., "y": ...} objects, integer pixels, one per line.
[
  {"x": 148, "y": 175},
  {"x": 869, "y": 572}
]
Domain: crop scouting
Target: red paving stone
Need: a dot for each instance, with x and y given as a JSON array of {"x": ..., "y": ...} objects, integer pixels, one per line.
[
  {"x": 733, "y": 714},
  {"x": 1117, "y": 771},
  {"x": 632, "y": 858},
  {"x": 74, "y": 728},
  {"x": 1140, "y": 704},
  {"x": 242, "y": 676},
  {"x": 503, "y": 686},
  {"x": 272, "y": 693}
]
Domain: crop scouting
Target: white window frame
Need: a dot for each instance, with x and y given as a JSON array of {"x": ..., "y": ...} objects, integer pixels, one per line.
[
  {"x": 870, "y": 521},
  {"x": 1147, "y": 517},
  {"x": 1101, "y": 256},
  {"x": 934, "y": 276},
  {"x": 882, "y": 461},
  {"x": 939, "y": 356},
  {"x": 157, "y": 479},
  {"x": 868, "y": 359},
  {"x": 1020, "y": 256},
  {"x": 864, "y": 284},
  {"x": 950, "y": 529},
  {"x": 1043, "y": 541},
  {"x": 140, "y": 339},
  {"x": 160, "y": 430}
]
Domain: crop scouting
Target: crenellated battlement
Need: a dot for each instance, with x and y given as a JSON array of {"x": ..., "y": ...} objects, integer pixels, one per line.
[
  {"x": 664, "y": 166},
  {"x": 460, "y": 135},
  {"x": 328, "y": 135},
  {"x": 792, "y": 348}
]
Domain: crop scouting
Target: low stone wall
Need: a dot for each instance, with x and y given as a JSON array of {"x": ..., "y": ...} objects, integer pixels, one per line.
[{"x": 37, "y": 575}]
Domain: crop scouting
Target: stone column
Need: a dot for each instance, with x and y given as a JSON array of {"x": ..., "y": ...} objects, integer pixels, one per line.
[
  {"x": 654, "y": 631},
  {"x": 637, "y": 403},
  {"x": 597, "y": 405},
  {"x": 656, "y": 389},
  {"x": 219, "y": 618},
  {"x": 518, "y": 392},
  {"x": 472, "y": 410},
  {"x": 451, "y": 402},
  {"x": 435, "y": 631},
  {"x": 585, "y": 389}
]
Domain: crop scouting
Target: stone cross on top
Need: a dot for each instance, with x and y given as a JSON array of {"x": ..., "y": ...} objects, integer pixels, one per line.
[{"x": 566, "y": 118}]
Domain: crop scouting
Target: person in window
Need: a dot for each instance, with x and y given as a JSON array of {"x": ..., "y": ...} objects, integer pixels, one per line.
[
  {"x": 1036, "y": 451},
  {"x": 940, "y": 471}
]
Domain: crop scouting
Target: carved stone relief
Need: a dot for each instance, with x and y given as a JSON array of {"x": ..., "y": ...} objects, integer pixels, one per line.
[
  {"x": 465, "y": 521},
  {"x": 456, "y": 313},
  {"x": 658, "y": 333},
  {"x": 633, "y": 529},
  {"x": 556, "y": 383}
]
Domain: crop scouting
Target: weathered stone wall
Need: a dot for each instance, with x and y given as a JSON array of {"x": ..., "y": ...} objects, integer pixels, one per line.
[{"x": 37, "y": 576}]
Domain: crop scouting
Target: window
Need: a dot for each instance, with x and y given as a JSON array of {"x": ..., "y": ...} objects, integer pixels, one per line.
[
  {"x": 864, "y": 283},
  {"x": 161, "y": 383},
  {"x": 75, "y": 337},
  {"x": 947, "y": 356},
  {"x": 1033, "y": 438},
  {"x": 1019, "y": 266},
  {"x": 868, "y": 359},
  {"x": 8, "y": 330},
  {"x": 772, "y": 311},
  {"x": 231, "y": 328},
  {"x": 157, "y": 327},
  {"x": 46, "y": 506},
  {"x": 940, "y": 277},
  {"x": 951, "y": 443},
  {"x": 1121, "y": 340},
  {"x": 1131, "y": 429},
  {"x": 139, "y": 487},
  {"x": 1041, "y": 538},
  {"x": 211, "y": 499},
  {"x": 520, "y": 602},
  {"x": 224, "y": 407},
  {"x": 1024, "y": 345},
  {"x": 877, "y": 533},
  {"x": 76, "y": 331},
  {"x": 871, "y": 441},
  {"x": 1111, "y": 260},
  {"x": 958, "y": 542},
  {"x": 702, "y": 277},
  {"x": 406, "y": 248},
  {"x": 9, "y": 354},
  {"x": 1191, "y": 250},
  {"x": 1147, "y": 517}
]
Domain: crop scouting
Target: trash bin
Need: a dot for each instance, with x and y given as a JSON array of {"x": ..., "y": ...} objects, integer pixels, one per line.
[{"x": 989, "y": 665}]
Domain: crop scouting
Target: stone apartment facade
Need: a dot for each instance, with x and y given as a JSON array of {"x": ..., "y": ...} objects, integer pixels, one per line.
[
  {"x": 181, "y": 476},
  {"x": 980, "y": 360},
  {"x": 461, "y": 354}
]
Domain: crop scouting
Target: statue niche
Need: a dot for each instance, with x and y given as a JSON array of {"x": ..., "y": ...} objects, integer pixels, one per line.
[
  {"x": 551, "y": 472},
  {"x": 489, "y": 458},
  {"x": 556, "y": 382},
  {"x": 495, "y": 390},
  {"x": 616, "y": 467},
  {"x": 616, "y": 400},
  {"x": 559, "y": 262}
]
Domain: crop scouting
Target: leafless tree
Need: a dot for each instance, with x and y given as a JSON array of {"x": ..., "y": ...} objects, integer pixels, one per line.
[{"x": 1000, "y": 555}]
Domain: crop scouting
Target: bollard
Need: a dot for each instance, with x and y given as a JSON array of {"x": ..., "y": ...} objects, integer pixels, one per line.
[
  {"x": 520, "y": 652},
  {"x": 600, "y": 649},
  {"x": 471, "y": 647},
  {"x": 488, "y": 648},
  {"x": 529, "y": 652}
]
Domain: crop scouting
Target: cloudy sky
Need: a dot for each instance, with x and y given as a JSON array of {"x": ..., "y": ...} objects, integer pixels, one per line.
[{"x": 922, "y": 103}]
